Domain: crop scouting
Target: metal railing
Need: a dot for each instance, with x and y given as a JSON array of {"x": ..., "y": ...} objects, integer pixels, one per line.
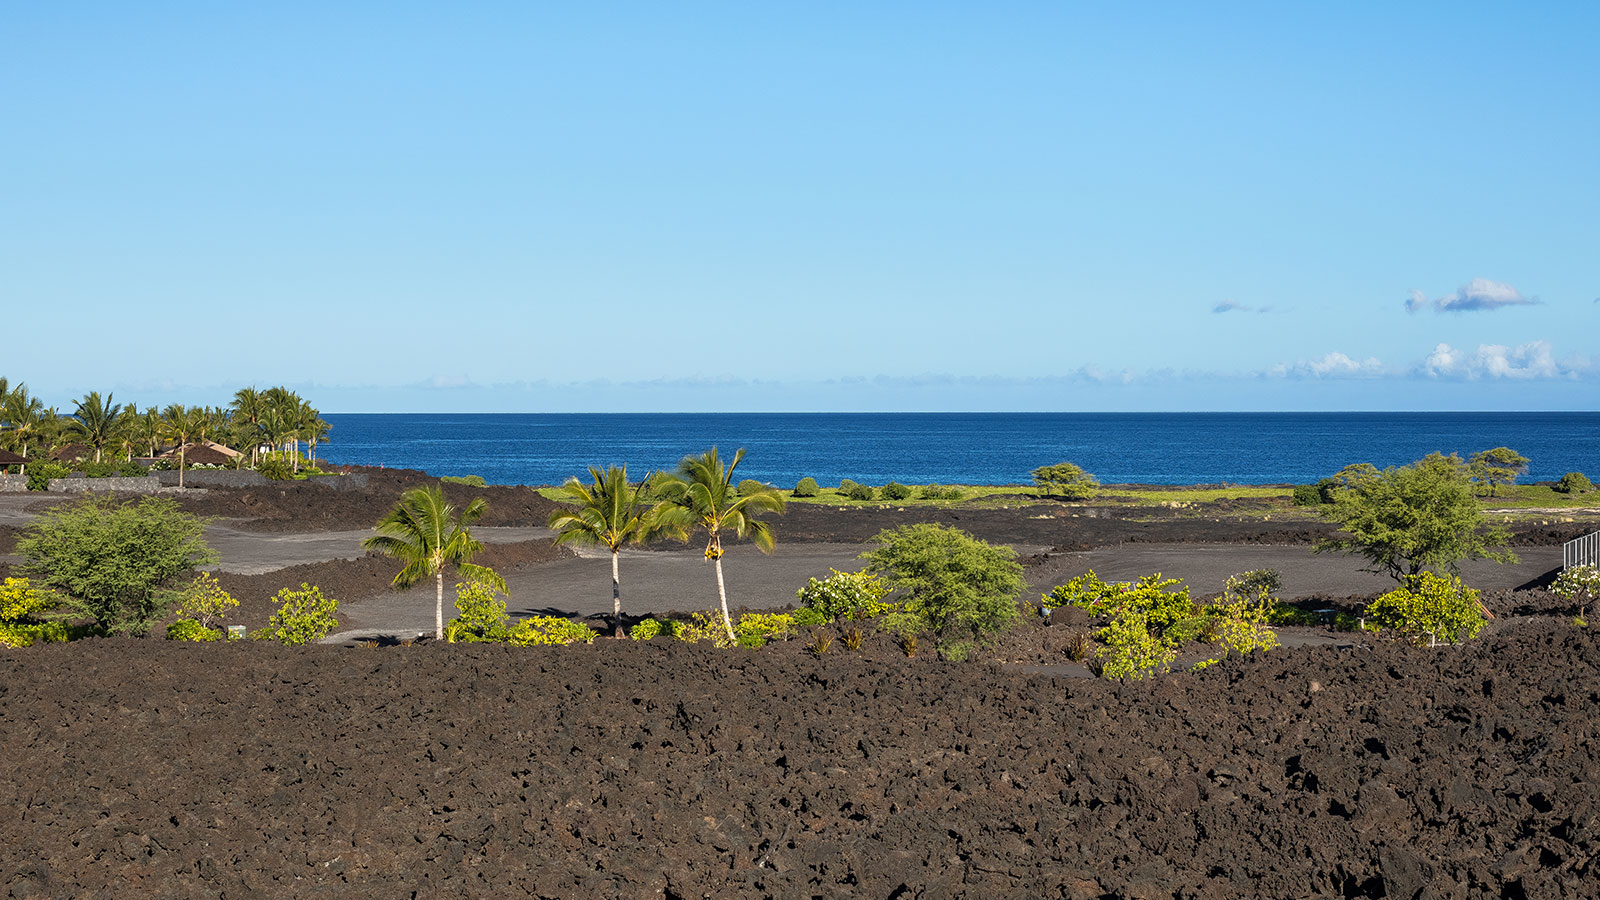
[{"x": 1583, "y": 551}]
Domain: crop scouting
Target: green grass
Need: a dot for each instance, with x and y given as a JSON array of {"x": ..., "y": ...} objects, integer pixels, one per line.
[{"x": 1535, "y": 496}]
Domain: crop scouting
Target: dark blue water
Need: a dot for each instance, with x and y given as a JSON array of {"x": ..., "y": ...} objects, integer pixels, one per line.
[{"x": 959, "y": 448}]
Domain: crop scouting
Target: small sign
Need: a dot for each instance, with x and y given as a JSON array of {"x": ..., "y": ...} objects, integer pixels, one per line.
[{"x": 236, "y": 632}]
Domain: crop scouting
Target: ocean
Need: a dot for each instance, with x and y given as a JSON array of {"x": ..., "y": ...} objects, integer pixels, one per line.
[{"x": 958, "y": 448}]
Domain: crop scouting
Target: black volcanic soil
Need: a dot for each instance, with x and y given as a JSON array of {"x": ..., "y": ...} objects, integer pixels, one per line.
[{"x": 666, "y": 770}]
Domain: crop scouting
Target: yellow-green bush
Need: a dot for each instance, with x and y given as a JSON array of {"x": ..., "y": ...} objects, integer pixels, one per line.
[
  {"x": 1430, "y": 608},
  {"x": 756, "y": 629},
  {"x": 21, "y": 607},
  {"x": 204, "y": 601},
  {"x": 548, "y": 630},
  {"x": 303, "y": 616},
  {"x": 480, "y": 614},
  {"x": 191, "y": 630}
]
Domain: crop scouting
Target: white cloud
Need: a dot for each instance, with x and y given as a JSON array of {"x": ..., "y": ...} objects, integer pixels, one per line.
[
  {"x": 1329, "y": 365},
  {"x": 1524, "y": 361},
  {"x": 1477, "y": 294},
  {"x": 1235, "y": 306}
]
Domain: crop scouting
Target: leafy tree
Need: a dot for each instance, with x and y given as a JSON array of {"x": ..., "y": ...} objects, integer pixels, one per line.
[
  {"x": 98, "y": 423},
  {"x": 703, "y": 495},
  {"x": 114, "y": 558},
  {"x": 960, "y": 587},
  {"x": 248, "y": 405},
  {"x": 1409, "y": 518},
  {"x": 807, "y": 487},
  {"x": 21, "y": 417},
  {"x": 1068, "y": 478},
  {"x": 1495, "y": 467},
  {"x": 423, "y": 532},
  {"x": 610, "y": 513}
]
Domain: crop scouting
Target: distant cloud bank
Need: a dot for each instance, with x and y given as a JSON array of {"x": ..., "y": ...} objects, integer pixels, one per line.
[
  {"x": 1331, "y": 365},
  {"x": 1478, "y": 294},
  {"x": 1227, "y": 306},
  {"x": 1524, "y": 361}
]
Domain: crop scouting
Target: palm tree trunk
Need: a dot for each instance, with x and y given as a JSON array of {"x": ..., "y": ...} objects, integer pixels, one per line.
[
  {"x": 180, "y": 465},
  {"x": 438, "y": 605},
  {"x": 616, "y": 596},
  {"x": 722, "y": 592}
]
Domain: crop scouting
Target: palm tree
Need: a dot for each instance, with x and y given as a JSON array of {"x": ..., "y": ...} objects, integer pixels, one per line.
[
  {"x": 610, "y": 513},
  {"x": 147, "y": 425},
  {"x": 316, "y": 432},
  {"x": 97, "y": 422},
  {"x": 24, "y": 418},
  {"x": 703, "y": 494},
  {"x": 181, "y": 424},
  {"x": 247, "y": 407},
  {"x": 423, "y": 532}
]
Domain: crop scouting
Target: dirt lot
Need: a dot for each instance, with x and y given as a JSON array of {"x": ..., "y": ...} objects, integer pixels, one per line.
[{"x": 620, "y": 770}]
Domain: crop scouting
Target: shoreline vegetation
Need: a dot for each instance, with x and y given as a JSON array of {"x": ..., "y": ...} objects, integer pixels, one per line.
[{"x": 959, "y": 687}]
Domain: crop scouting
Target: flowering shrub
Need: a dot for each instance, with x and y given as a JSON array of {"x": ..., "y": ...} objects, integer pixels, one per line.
[
  {"x": 1433, "y": 606},
  {"x": 846, "y": 595},
  {"x": 1579, "y": 584}
]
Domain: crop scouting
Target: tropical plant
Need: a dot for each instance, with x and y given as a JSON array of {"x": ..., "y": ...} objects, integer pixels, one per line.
[
  {"x": 23, "y": 418},
  {"x": 858, "y": 491},
  {"x": 1409, "y": 518},
  {"x": 248, "y": 406},
  {"x": 703, "y": 496},
  {"x": 1429, "y": 605},
  {"x": 548, "y": 631},
  {"x": 114, "y": 558},
  {"x": 894, "y": 490},
  {"x": 480, "y": 614},
  {"x": 181, "y": 424},
  {"x": 423, "y": 532},
  {"x": 204, "y": 601},
  {"x": 807, "y": 487},
  {"x": 42, "y": 472},
  {"x": 1490, "y": 468},
  {"x": 98, "y": 423},
  {"x": 961, "y": 588},
  {"x": 609, "y": 513},
  {"x": 25, "y": 614}
]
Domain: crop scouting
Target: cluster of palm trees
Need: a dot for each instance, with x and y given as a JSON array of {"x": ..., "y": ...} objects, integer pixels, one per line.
[
  {"x": 424, "y": 533},
  {"x": 701, "y": 496},
  {"x": 275, "y": 420}
]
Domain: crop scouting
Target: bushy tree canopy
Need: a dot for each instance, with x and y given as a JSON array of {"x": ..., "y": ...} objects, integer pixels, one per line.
[
  {"x": 114, "y": 558},
  {"x": 961, "y": 587},
  {"x": 1406, "y": 519},
  {"x": 1069, "y": 479}
]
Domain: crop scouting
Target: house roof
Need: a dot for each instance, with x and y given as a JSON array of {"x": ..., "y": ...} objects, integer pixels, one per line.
[
  {"x": 72, "y": 451},
  {"x": 228, "y": 454},
  {"x": 202, "y": 455},
  {"x": 7, "y": 458}
]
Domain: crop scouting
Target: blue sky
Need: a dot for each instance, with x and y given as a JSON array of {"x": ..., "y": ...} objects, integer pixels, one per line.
[{"x": 620, "y": 207}]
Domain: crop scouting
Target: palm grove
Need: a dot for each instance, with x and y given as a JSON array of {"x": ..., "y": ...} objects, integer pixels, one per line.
[{"x": 260, "y": 428}]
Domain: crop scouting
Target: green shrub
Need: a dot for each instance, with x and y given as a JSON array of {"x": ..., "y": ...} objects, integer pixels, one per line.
[
  {"x": 1435, "y": 607},
  {"x": 858, "y": 491},
  {"x": 303, "y": 616},
  {"x": 113, "y": 559},
  {"x": 204, "y": 601},
  {"x": 1574, "y": 483},
  {"x": 480, "y": 614},
  {"x": 757, "y": 629},
  {"x": 962, "y": 588},
  {"x": 1128, "y": 648},
  {"x": 1308, "y": 495},
  {"x": 549, "y": 631},
  {"x": 471, "y": 480},
  {"x": 94, "y": 469},
  {"x": 131, "y": 469},
  {"x": 941, "y": 492},
  {"x": 275, "y": 468},
  {"x": 702, "y": 626},
  {"x": 749, "y": 487},
  {"x": 845, "y": 485},
  {"x": 845, "y": 595},
  {"x": 191, "y": 630},
  {"x": 23, "y": 615},
  {"x": 40, "y": 473},
  {"x": 807, "y": 616},
  {"x": 807, "y": 487},
  {"x": 894, "y": 490},
  {"x": 649, "y": 629}
]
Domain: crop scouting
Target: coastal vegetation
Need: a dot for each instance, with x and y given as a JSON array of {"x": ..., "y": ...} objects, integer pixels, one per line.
[
  {"x": 425, "y": 534},
  {"x": 1409, "y": 518},
  {"x": 260, "y": 424},
  {"x": 1067, "y": 479},
  {"x": 701, "y": 496},
  {"x": 611, "y": 513},
  {"x": 112, "y": 562}
]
